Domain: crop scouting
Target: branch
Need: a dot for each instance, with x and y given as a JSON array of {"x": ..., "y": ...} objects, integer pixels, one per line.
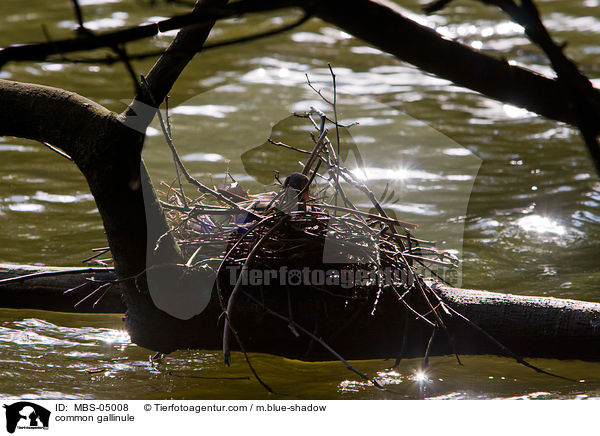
[
  {"x": 576, "y": 87},
  {"x": 55, "y": 116},
  {"x": 171, "y": 64},
  {"x": 204, "y": 15},
  {"x": 383, "y": 25},
  {"x": 109, "y": 60},
  {"x": 105, "y": 150},
  {"x": 37, "y": 287},
  {"x": 533, "y": 326}
]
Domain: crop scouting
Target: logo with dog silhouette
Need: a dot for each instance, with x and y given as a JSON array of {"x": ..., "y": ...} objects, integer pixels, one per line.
[{"x": 26, "y": 415}]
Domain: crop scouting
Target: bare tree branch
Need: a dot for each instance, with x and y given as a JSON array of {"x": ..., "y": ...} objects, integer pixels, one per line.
[
  {"x": 170, "y": 65},
  {"x": 576, "y": 88},
  {"x": 109, "y": 60},
  {"x": 382, "y": 25},
  {"x": 204, "y": 15}
]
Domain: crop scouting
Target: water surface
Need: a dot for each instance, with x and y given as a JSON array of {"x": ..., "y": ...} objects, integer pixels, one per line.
[{"x": 513, "y": 194}]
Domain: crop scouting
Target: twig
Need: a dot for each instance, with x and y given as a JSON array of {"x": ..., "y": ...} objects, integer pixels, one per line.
[
  {"x": 58, "y": 151},
  {"x": 317, "y": 339},
  {"x": 68, "y": 291},
  {"x": 317, "y": 149},
  {"x": 54, "y": 273},
  {"x": 98, "y": 289},
  {"x": 168, "y": 116},
  {"x": 503, "y": 348},
  {"x": 318, "y": 91},
  {"x": 428, "y": 349},
  {"x": 404, "y": 339},
  {"x": 121, "y": 51},
  {"x": 337, "y": 131},
  {"x": 281, "y": 144},
  {"x": 385, "y": 219},
  {"x": 94, "y": 256},
  {"x": 78, "y": 14},
  {"x": 188, "y": 176},
  {"x": 101, "y": 297},
  {"x": 244, "y": 270}
]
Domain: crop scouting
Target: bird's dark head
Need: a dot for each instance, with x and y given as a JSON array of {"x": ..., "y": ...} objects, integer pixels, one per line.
[{"x": 298, "y": 182}]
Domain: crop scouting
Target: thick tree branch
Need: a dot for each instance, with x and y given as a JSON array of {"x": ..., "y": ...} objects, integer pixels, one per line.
[
  {"x": 171, "y": 64},
  {"x": 108, "y": 152},
  {"x": 577, "y": 88},
  {"x": 47, "y": 292},
  {"x": 31, "y": 112},
  {"x": 531, "y": 326},
  {"x": 204, "y": 15},
  {"x": 105, "y": 150},
  {"x": 383, "y": 25}
]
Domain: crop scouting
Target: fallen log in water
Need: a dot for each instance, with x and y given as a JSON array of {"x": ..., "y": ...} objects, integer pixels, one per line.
[
  {"x": 528, "y": 326},
  {"x": 43, "y": 288}
]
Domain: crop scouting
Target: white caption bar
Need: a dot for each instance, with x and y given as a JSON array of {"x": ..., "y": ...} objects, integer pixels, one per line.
[{"x": 297, "y": 417}]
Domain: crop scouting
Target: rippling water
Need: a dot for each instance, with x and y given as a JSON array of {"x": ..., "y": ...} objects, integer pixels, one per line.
[
  {"x": 54, "y": 356},
  {"x": 513, "y": 194}
]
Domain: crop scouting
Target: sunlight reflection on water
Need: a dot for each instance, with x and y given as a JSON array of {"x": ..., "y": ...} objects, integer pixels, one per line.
[
  {"x": 402, "y": 173},
  {"x": 48, "y": 361},
  {"x": 541, "y": 224}
]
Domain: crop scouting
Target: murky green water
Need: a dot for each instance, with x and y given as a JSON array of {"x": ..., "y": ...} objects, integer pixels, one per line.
[{"x": 514, "y": 193}]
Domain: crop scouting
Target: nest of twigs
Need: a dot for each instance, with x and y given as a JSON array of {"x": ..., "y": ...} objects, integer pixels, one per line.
[
  {"x": 307, "y": 227},
  {"x": 344, "y": 251},
  {"x": 307, "y": 233},
  {"x": 303, "y": 234}
]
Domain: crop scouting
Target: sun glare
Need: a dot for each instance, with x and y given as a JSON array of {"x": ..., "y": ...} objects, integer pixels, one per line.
[
  {"x": 541, "y": 224},
  {"x": 420, "y": 376}
]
